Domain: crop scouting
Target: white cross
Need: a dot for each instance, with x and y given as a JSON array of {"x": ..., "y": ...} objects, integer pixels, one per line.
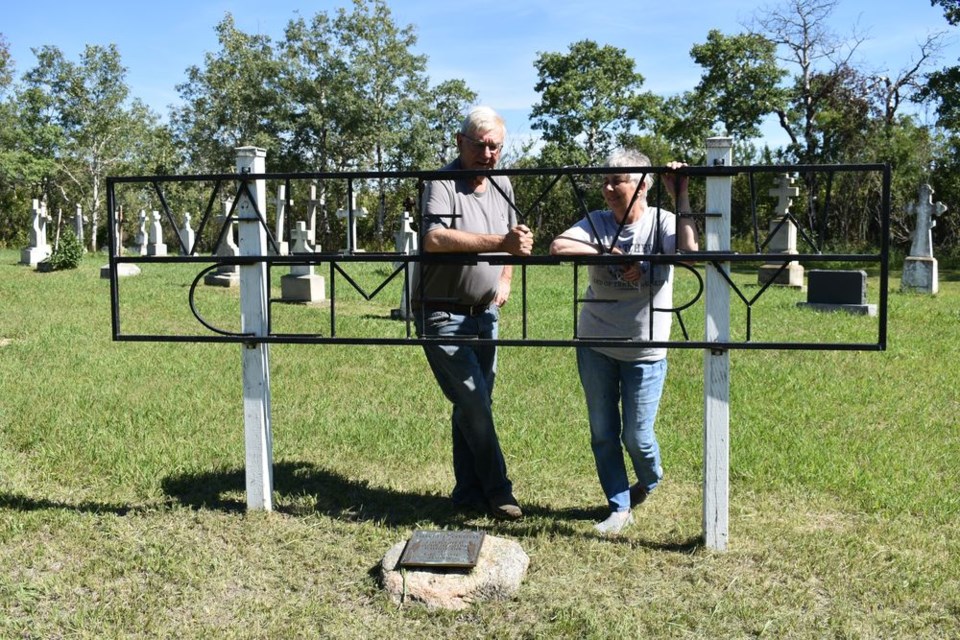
[
  {"x": 785, "y": 192},
  {"x": 925, "y": 210},
  {"x": 352, "y": 222}
]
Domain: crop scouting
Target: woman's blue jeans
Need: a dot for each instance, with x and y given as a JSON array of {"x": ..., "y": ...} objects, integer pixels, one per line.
[
  {"x": 466, "y": 374},
  {"x": 622, "y": 402}
]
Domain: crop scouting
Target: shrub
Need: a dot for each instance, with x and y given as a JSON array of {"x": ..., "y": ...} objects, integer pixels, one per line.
[{"x": 69, "y": 252}]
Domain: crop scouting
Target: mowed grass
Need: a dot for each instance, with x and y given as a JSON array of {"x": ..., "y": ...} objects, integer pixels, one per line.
[{"x": 122, "y": 504}]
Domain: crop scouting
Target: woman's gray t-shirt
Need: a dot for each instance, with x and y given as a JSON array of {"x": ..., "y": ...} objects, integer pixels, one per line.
[{"x": 628, "y": 312}]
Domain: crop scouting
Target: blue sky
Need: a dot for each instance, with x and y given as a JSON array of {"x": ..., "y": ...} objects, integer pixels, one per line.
[{"x": 492, "y": 46}]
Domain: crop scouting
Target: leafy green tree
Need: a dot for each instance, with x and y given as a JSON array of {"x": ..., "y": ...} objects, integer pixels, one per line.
[
  {"x": 449, "y": 101},
  {"x": 389, "y": 86},
  {"x": 357, "y": 97},
  {"x": 13, "y": 202},
  {"x": 740, "y": 84},
  {"x": 951, "y": 10},
  {"x": 79, "y": 115},
  {"x": 942, "y": 88},
  {"x": 231, "y": 102},
  {"x": 589, "y": 99}
]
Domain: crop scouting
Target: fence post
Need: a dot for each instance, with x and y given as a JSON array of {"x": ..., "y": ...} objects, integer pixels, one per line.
[
  {"x": 716, "y": 384},
  {"x": 254, "y": 299}
]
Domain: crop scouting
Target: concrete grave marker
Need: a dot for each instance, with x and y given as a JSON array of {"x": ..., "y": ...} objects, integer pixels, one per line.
[
  {"x": 280, "y": 204},
  {"x": 406, "y": 243},
  {"x": 187, "y": 235},
  {"x": 783, "y": 238},
  {"x": 301, "y": 284},
  {"x": 225, "y": 275},
  {"x": 141, "y": 236},
  {"x": 920, "y": 267},
  {"x": 38, "y": 249},
  {"x": 351, "y": 215},
  {"x": 124, "y": 269},
  {"x": 155, "y": 243},
  {"x": 314, "y": 204}
]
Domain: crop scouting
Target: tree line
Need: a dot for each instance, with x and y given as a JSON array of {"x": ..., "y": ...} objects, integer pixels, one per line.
[{"x": 345, "y": 91}]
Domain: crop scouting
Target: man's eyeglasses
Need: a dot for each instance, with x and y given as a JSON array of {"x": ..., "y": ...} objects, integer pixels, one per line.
[{"x": 480, "y": 145}]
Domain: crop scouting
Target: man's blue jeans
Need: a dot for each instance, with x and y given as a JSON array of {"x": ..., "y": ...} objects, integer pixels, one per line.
[
  {"x": 466, "y": 375},
  {"x": 610, "y": 386}
]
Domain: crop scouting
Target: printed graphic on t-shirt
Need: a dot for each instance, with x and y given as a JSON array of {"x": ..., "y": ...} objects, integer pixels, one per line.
[{"x": 614, "y": 272}]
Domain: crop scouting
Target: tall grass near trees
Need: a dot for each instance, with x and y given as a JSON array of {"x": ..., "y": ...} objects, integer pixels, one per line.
[{"x": 122, "y": 487}]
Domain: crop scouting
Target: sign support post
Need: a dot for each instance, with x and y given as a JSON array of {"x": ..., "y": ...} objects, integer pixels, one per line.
[
  {"x": 254, "y": 300},
  {"x": 716, "y": 384}
]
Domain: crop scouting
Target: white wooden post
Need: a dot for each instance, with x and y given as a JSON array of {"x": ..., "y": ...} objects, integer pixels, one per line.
[
  {"x": 716, "y": 384},
  {"x": 254, "y": 298}
]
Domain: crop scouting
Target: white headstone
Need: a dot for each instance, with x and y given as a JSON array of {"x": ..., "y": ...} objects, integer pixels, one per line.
[
  {"x": 783, "y": 238},
  {"x": 313, "y": 205},
  {"x": 406, "y": 237},
  {"x": 406, "y": 243},
  {"x": 301, "y": 284},
  {"x": 141, "y": 237},
  {"x": 124, "y": 269},
  {"x": 225, "y": 275},
  {"x": 155, "y": 244},
  {"x": 39, "y": 249},
  {"x": 281, "y": 204},
  {"x": 352, "y": 214},
  {"x": 187, "y": 235}
]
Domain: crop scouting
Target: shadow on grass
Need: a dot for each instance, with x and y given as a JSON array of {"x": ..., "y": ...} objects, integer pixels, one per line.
[
  {"x": 298, "y": 483},
  {"x": 20, "y": 502},
  {"x": 301, "y": 488}
]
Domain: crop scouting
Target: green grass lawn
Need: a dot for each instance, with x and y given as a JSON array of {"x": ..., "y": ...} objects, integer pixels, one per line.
[{"x": 122, "y": 504}]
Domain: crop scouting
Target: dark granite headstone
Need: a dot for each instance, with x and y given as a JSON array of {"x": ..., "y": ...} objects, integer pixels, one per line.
[{"x": 838, "y": 290}]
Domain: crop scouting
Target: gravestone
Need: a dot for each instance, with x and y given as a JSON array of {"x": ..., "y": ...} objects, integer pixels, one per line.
[
  {"x": 314, "y": 205},
  {"x": 406, "y": 243},
  {"x": 187, "y": 236},
  {"x": 38, "y": 249},
  {"x": 124, "y": 269},
  {"x": 497, "y": 575},
  {"x": 301, "y": 284},
  {"x": 920, "y": 267},
  {"x": 78, "y": 221},
  {"x": 838, "y": 290},
  {"x": 351, "y": 216},
  {"x": 141, "y": 236},
  {"x": 281, "y": 204},
  {"x": 783, "y": 238},
  {"x": 225, "y": 275},
  {"x": 155, "y": 243}
]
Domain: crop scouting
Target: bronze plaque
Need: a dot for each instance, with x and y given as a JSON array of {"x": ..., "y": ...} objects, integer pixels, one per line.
[{"x": 448, "y": 549}]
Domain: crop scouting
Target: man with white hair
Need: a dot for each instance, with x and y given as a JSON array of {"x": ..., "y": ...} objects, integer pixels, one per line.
[{"x": 472, "y": 215}]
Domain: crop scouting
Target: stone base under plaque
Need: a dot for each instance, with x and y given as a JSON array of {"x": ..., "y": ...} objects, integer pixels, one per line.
[{"x": 500, "y": 569}]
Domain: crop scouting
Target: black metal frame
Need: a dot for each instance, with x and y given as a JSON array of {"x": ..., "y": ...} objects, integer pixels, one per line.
[{"x": 715, "y": 260}]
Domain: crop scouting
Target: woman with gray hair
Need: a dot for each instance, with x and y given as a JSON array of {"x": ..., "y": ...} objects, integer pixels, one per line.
[{"x": 623, "y": 385}]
